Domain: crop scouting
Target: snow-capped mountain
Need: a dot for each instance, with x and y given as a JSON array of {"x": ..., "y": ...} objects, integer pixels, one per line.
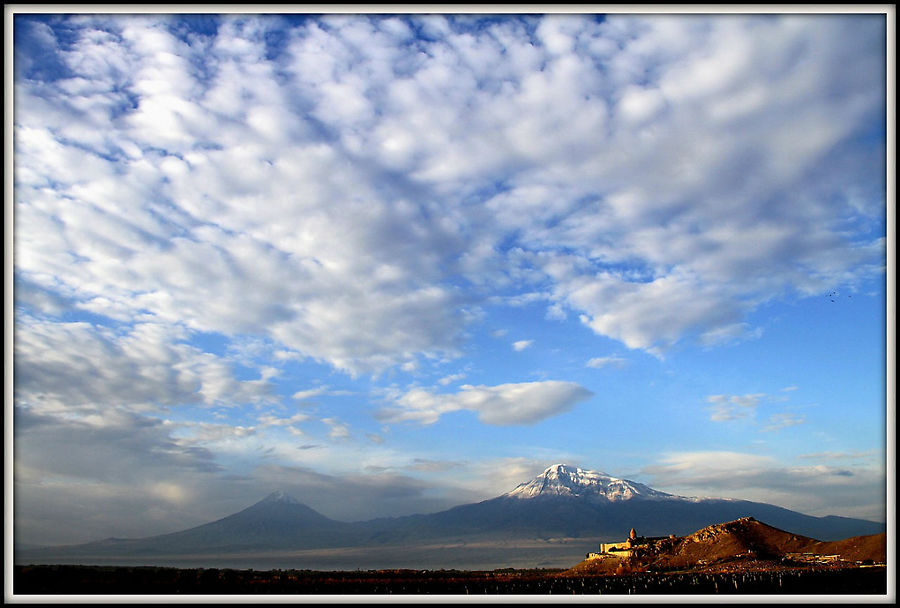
[
  {"x": 563, "y": 502},
  {"x": 575, "y": 482}
]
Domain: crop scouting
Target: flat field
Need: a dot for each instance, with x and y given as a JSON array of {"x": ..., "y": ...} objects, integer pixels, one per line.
[{"x": 152, "y": 580}]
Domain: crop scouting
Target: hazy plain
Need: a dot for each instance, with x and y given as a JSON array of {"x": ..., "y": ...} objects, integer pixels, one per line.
[{"x": 476, "y": 555}]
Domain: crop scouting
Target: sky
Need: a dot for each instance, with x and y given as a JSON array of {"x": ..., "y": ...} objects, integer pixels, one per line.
[{"x": 394, "y": 263}]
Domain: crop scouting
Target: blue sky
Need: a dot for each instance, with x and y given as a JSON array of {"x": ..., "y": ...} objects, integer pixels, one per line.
[{"x": 391, "y": 264}]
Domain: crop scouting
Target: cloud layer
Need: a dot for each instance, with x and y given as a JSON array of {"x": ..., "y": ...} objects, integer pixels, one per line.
[{"x": 356, "y": 193}]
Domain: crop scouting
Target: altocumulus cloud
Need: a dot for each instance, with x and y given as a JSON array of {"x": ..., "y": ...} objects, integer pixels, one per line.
[
  {"x": 352, "y": 195},
  {"x": 70, "y": 365},
  {"x": 733, "y": 407},
  {"x": 506, "y": 404}
]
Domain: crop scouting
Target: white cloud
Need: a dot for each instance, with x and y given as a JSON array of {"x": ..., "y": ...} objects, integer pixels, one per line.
[
  {"x": 220, "y": 173},
  {"x": 67, "y": 365},
  {"x": 639, "y": 105},
  {"x": 310, "y": 393},
  {"x": 269, "y": 420},
  {"x": 729, "y": 333},
  {"x": 601, "y": 362},
  {"x": 726, "y": 408},
  {"x": 336, "y": 428},
  {"x": 651, "y": 314},
  {"x": 505, "y": 404},
  {"x": 450, "y": 379},
  {"x": 521, "y": 345},
  {"x": 734, "y": 407},
  {"x": 207, "y": 433},
  {"x": 783, "y": 420},
  {"x": 331, "y": 197}
]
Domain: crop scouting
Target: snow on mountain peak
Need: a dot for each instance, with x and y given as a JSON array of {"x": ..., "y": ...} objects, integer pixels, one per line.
[
  {"x": 280, "y": 497},
  {"x": 570, "y": 481}
]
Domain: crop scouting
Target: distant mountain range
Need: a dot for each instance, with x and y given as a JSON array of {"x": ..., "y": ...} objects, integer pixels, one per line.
[{"x": 562, "y": 502}]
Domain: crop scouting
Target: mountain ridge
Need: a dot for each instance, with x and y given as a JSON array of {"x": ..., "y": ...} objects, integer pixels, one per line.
[{"x": 562, "y": 502}]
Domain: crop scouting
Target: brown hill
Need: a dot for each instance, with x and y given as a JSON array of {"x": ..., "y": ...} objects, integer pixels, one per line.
[
  {"x": 746, "y": 541},
  {"x": 858, "y": 548}
]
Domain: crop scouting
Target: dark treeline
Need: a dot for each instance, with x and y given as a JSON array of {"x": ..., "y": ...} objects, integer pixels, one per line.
[{"x": 113, "y": 580}]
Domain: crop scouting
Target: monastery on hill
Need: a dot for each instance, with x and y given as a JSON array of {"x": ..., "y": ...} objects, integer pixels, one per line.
[{"x": 625, "y": 549}]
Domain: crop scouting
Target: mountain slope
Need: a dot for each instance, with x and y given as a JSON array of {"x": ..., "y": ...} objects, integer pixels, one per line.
[{"x": 276, "y": 522}]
